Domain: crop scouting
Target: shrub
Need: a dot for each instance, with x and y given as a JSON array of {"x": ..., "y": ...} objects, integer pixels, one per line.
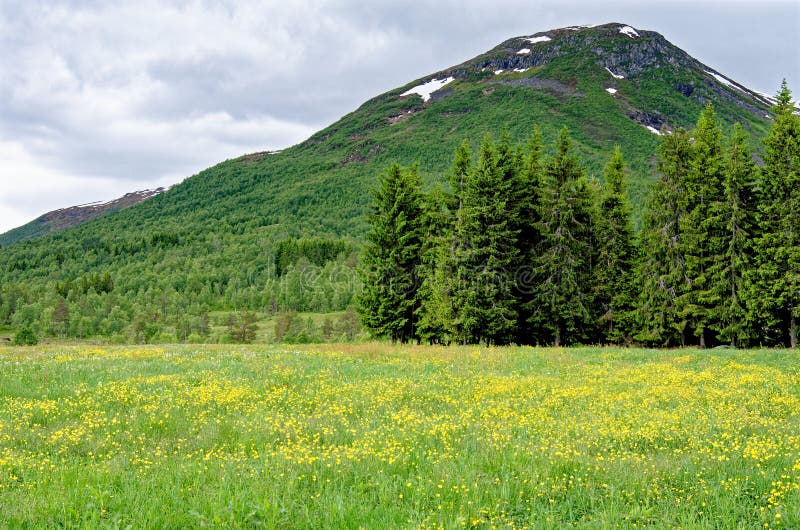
[{"x": 25, "y": 337}]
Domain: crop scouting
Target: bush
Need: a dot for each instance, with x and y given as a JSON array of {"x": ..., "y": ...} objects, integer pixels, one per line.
[{"x": 26, "y": 337}]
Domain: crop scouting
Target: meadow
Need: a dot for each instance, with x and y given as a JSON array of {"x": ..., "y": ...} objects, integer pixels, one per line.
[{"x": 381, "y": 436}]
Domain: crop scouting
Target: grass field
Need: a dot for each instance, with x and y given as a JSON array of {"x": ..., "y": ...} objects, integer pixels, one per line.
[{"x": 377, "y": 436}]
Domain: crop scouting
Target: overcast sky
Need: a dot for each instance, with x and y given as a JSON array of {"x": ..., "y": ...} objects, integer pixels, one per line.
[{"x": 100, "y": 98}]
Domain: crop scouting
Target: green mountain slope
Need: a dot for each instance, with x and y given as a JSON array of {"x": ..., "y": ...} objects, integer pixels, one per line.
[{"x": 210, "y": 241}]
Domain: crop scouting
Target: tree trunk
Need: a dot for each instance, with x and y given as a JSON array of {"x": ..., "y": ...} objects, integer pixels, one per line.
[
  {"x": 703, "y": 339},
  {"x": 557, "y": 339},
  {"x": 793, "y": 332}
]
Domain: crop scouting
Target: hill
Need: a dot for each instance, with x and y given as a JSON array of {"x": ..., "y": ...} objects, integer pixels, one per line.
[
  {"x": 64, "y": 218},
  {"x": 216, "y": 240}
]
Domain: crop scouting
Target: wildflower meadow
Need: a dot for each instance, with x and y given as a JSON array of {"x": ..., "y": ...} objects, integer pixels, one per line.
[{"x": 381, "y": 436}]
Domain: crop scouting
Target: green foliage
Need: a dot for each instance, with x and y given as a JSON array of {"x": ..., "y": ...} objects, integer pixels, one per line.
[
  {"x": 701, "y": 224},
  {"x": 775, "y": 282},
  {"x": 26, "y": 337},
  {"x": 563, "y": 303},
  {"x": 392, "y": 257},
  {"x": 727, "y": 272},
  {"x": 661, "y": 269},
  {"x": 614, "y": 271},
  {"x": 242, "y": 326},
  {"x": 318, "y": 251},
  {"x": 484, "y": 255}
]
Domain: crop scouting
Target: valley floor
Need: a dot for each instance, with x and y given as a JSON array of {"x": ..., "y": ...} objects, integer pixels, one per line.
[{"x": 379, "y": 436}]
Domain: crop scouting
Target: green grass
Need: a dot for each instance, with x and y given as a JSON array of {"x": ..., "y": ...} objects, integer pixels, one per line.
[{"x": 376, "y": 436}]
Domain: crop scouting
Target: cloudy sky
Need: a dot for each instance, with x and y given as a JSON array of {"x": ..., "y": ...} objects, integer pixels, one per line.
[{"x": 99, "y": 98}]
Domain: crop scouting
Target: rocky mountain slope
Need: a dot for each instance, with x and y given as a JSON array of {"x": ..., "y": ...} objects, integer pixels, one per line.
[{"x": 64, "y": 218}]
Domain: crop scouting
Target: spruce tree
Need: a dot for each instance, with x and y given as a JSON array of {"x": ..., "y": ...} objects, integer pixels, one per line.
[
  {"x": 462, "y": 164},
  {"x": 660, "y": 273},
  {"x": 775, "y": 301},
  {"x": 483, "y": 295},
  {"x": 703, "y": 225},
  {"x": 526, "y": 196},
  {"x": 561, "y": 308},
  {"x": 392, "y": 257},
  {"x": 727, "y": 275},
  {"x": 616, "y": 255},
  {"x": 437, "y": 318},
  {"x": 434, "y": 312}
]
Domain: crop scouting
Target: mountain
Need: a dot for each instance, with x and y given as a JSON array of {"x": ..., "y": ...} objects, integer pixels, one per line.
[
  {"x": 64, "y": 218},
  {"x": 213, "y": 238}
]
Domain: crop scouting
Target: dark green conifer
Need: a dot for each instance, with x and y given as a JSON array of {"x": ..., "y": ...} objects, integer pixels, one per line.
[
  {"x": 483, "y": 298},
  {"x": 775, "y": 281},
  {"x": 660, "y": 275},
  {"x": 727, "y": 274},
  {"x": 702, "y": 225},
  {"x": 616, "y": 255},
  {"x": 561, "y": 307},
  {"x": 392, "y": 257}
]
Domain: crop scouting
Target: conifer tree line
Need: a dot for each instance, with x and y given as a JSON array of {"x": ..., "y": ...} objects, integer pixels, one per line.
[{"x": 526, "y": 248}]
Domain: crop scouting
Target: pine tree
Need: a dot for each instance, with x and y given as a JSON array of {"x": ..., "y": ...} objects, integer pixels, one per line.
[
  {"x": 661, "y": 269},
  {"x": 727, "y": 275},
  {"x": 561, "y": 307},
  {"x": 616, "y": 254},
  {"x": 703, "y": 225},
  {"x": 392, "y": 257},
  {"x": 775, "y": 301},
  {"x": 483, "y": 299}
]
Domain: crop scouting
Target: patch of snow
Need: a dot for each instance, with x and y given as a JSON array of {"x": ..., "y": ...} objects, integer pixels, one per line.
[
  {"x": 611, "y": 91},
  {"x": 767, "y": 116},
  {"x": 520, "y": 70},
  {"x": 523, "y": 51},
  {"x": 585, "y": 26},
  {"x": 766, "y": 98},
  {"x": 498, "y": 72},
  {"x": 723, "y": 80},
  {"x": 534, "y": 40},
  {"x": 426, "y": 89},
  {"x": 629, "y": 31},
  {"x": 653, "y": 130},
  {"x": 615, "y": 76}
]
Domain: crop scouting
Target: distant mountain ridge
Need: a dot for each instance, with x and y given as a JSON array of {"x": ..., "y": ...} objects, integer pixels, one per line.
[{"x": 64, "y": 218}]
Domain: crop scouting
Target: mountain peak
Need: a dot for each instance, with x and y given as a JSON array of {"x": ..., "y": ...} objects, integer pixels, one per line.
[{"x": 638, "y": 67}]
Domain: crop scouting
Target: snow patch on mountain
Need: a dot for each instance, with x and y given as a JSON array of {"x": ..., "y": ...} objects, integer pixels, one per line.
[
  {"x": 611, "y": 91},
  {"x": 653, "y": 130},
  {"x": 615, "y": 76},
  {"x": 524, "y": 51},
  {"x": 534, "y": 40},
  {"x": 426, "y": 89},
  {"x": 767, "y": 98},
  {"x": 629, "y": 31},
  {"x": 723, "y": 80}
]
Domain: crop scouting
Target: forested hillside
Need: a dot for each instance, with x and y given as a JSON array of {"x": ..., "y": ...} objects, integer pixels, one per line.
[{"x": 179, "y": 263}]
